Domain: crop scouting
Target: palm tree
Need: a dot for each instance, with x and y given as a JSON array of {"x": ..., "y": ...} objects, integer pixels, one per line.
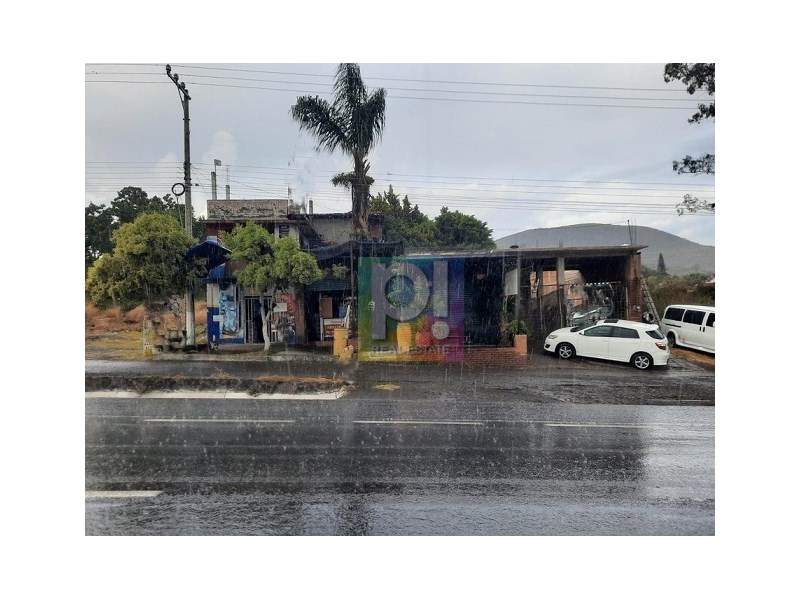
[{"x": 353, "y": 123}]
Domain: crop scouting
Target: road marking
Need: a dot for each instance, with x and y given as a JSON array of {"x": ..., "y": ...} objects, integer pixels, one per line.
[
  {"x": 219, "y": 420},
  {"x": 218, "y": 395},
  {"x": 124, "y": 494},
  {"x": 620, "y": 425},
  {"x": 420, "y": 422}
]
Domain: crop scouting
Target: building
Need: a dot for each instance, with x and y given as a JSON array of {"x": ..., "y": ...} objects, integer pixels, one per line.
[
  {"x": 305, "y": 316},
  {"x": 547, "y": 288}
]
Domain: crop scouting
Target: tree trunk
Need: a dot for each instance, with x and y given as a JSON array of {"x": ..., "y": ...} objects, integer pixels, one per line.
[
  {"x": 265, "y": 317},
  {"x": 360, "y": 195}
]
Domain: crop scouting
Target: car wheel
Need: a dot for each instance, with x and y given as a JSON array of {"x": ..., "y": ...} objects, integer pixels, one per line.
[
  {"x": 565, "y": 351},
  {"x": 671, "y": 339},
  {"x": 642, "y": 361}
]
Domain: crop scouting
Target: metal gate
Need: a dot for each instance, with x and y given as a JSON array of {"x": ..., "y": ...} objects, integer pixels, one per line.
[{"x": 253, "y": 331}]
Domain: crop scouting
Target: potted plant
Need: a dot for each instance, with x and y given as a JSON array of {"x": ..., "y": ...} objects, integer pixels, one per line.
[{"x": 517, "y": 333}]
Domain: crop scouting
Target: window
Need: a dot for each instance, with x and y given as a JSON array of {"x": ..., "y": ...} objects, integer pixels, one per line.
[
  {"x": 624, "y": 332},
  {"x": 695, "y": 317},
  {"x": 710, "y": 322},
  {"x": 675, "y": 314},
  {"x": 283, "y": 231},
  {"x": 655, "y": 333},
  {"x": 599, "y": 331}
]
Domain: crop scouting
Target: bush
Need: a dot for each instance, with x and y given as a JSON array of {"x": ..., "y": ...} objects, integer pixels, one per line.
[{"x": 516, "y": 327}]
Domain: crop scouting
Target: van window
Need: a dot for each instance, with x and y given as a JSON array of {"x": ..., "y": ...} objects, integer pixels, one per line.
[
  {"x": 710, "y": 320},
  {"x": 673, "y": 313},
  {"x": 695, "y": 317}
]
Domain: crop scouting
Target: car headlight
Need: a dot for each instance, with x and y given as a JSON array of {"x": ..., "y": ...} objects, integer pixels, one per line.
[{"x": 552, "y": 336}]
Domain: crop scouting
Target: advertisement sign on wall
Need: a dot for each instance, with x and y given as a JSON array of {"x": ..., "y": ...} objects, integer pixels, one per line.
[{"x": 411, "y": 309}]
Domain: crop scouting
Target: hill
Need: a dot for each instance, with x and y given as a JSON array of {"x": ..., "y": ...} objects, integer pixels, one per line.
[{"x": 681, "y": 256}]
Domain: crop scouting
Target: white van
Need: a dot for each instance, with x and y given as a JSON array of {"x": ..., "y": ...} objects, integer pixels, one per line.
[{"x": 689, "y": 326}]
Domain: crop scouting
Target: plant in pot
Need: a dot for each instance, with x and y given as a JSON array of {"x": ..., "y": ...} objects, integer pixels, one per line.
[
  {"x": 517, "y": 333},
  {"x": 516, "y": 327}
]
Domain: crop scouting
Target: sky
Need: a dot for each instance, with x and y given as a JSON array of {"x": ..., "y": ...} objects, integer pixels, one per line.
[{"x": 520, "y": 145}]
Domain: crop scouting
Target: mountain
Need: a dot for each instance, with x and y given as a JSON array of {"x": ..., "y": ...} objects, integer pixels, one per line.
[{"x": 681, "y": 256}]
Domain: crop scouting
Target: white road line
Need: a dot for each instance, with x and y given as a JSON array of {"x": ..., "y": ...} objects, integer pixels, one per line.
[
  {"x": 124, "y": 494},
  {"x": 420, "y": 422},
  {"x": 609, "y": 425},
  {"x": 219, "y": 420},
  {"x": 218, "y": 395}
]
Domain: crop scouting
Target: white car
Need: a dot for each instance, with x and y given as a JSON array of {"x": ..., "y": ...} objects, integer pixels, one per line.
[{"x": 641, "y": 344}]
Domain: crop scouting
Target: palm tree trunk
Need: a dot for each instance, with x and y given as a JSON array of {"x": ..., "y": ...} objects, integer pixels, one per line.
[{"x": 360, "y": 191}]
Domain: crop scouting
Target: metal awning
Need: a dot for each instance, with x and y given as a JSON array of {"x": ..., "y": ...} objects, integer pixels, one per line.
[{"x": 210, "y": 249}]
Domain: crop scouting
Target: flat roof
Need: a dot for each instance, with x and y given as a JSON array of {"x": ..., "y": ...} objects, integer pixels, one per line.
[{"x": 572, "y": 252}]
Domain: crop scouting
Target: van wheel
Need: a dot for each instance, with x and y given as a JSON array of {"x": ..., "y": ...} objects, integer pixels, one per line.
[
  {"x": 671, "y": 339},
  {"x": 642, "y": 361},
  {"x": 565, "y": 351}
]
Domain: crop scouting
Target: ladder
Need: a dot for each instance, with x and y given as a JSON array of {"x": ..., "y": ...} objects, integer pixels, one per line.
[{"x": 648, "y": 300}]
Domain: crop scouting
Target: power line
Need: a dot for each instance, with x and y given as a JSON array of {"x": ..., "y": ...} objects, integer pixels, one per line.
[
  {"x": 531, "y": 95},
  {"x": 449, "y": 82},
  {"x": 444, "y": 177},
  {"x": 394, "y": 97}
]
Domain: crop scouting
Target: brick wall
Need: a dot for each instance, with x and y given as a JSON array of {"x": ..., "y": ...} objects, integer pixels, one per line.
[{"x": 495, "y": 357}]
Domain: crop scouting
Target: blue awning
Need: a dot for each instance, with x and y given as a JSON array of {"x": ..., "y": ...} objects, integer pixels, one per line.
[{"x": 215, "y": 253}]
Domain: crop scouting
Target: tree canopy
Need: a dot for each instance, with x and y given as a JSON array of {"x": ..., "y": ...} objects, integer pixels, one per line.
[
  {"x": 147, "y": 264},
  {"x": 130, "y": 202},
  {"x": 458, "y": 230},
  {"x": 404, "y": 223},
  {"x": 450, "y": 229},
  {"x": 696, "y": 77},
  {"x": 269, "y": 264},
  {"x": 353, "y": 124}
]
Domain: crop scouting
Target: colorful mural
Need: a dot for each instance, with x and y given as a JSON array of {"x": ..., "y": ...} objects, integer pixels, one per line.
[
  {"x": 228, "y": 313},
  {"x": 411, "y": 309}
]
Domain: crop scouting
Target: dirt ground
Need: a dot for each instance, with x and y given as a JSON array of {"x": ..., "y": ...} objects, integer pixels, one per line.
[{"x": 113, "y": 334}]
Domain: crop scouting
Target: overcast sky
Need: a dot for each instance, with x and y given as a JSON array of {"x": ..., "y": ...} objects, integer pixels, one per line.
[{"x": 519, "y": 145}]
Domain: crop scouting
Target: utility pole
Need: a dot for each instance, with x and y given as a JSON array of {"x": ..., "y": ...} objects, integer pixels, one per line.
[{"x": 187, "y": 181}]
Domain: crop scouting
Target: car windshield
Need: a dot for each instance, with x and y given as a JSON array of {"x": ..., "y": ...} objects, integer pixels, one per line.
[
  {"x": 655, "y": 333},
  {"x": 580, "y": 327}
]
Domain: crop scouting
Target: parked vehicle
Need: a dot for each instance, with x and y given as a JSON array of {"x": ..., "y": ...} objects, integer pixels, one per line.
[
  {"x": 689, "y": 326},
  {"x": 640, "y": 344}
]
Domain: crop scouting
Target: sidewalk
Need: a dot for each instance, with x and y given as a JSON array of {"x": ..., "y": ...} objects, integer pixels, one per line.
[{"x": 303, "y": 374}]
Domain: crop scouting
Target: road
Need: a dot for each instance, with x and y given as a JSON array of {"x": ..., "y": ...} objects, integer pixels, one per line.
[{"x": 380, "y": 463}]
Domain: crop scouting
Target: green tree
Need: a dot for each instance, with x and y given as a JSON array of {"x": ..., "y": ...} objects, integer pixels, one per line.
[
  {"x": 457, "y": 230},
  {"x": 353, "y": 124},
  {"x": 662, "y": 266},
  {"x": 269, "y": 265},
  {"x": 146, "y": 266},
  {"x": 695, "y": 76},
  {"x": 404, "y": 223},
  {"x": 99, "y": 226},
  {"x": 102, "y": 221}
]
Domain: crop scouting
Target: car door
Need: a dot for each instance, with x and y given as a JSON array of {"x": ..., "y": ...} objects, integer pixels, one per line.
[
  {"x": 624, "y": 343},
  {"x": 594, "y": 341}
]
